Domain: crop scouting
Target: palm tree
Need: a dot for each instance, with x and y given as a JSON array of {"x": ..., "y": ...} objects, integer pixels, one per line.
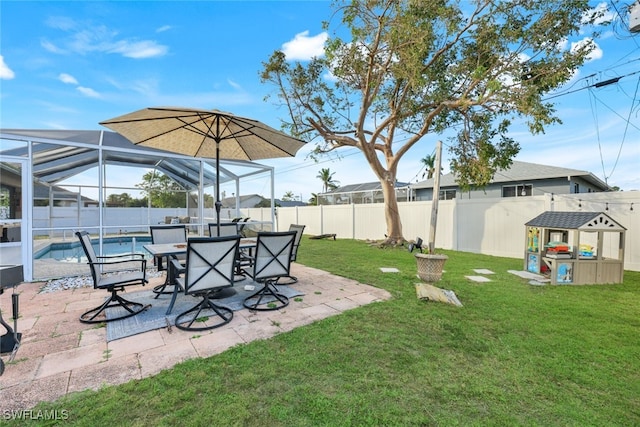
[
  {"x": 429, "y": 162},
  {"x": 288, "y": 196},
  {"x": 328, "y": 183}
]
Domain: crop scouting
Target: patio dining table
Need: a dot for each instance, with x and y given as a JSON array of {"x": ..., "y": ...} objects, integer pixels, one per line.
[{"x": 172, "y": 249}]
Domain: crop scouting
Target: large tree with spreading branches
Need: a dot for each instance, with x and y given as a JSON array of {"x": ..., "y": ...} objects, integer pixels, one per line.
[{"x": 410, "y": 68}]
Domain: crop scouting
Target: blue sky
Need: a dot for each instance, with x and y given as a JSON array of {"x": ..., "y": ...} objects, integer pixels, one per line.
[{"x": 70, "y": 65}]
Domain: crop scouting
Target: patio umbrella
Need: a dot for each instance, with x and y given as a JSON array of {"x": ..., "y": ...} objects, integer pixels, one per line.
[{"x": 204, "y": 133}]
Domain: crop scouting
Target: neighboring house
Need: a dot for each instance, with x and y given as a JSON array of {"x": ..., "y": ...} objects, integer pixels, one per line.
[
  {"x": 256, "y": 200},
  {"x": 248, "y": 201},
  {"x": 11, "y": 189},
  {"x": 369, "y": 192},
  {"x": 61, "y": 197},
  {"x": 289, "y": 203},
  {"x": 520, "y": 180}
]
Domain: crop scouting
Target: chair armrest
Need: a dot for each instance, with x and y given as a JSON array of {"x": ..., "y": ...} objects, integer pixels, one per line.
[
  {"x": 142, "y": 261},
  {"x": 132, "y": 256},
  {"x": 177, "y": 267}
]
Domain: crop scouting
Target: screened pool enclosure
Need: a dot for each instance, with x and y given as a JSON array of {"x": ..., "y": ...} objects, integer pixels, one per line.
[{"x": 55, "y": 182}]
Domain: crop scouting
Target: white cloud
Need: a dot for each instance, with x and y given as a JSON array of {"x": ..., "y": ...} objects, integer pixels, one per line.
[
  {"x": 86, "y": 91},
  {"x": 329, "y": 76},
  {"x": 596, "y": 51},
  {"x": 601, "y": 15},
  {"x": 303, "y": 47},
  {"x": 6, "y": 73},
  {"x": 55, "y": 125},
  {"x": 147, "y": 87},
  {"x": 83, "y": 38},
  {"x": 234, "y": 84},
  {"x": 47, "y": 45},
  {"x": 563, "y": 44},
  {"x": 138, "y": 50},
  {"x": 61, "y": 23},
  {"x": 68, "y": 79},
  {"x": 164, "y": 28}
]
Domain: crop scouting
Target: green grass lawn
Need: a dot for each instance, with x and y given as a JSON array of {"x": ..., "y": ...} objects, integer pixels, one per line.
[{"x": 514, "y": 354}]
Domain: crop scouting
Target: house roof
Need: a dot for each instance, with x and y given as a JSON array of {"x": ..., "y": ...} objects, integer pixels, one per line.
[
  {"x": 587, "y": 221},
  {"x": 290, "y": 203},
  {"x": 231, "y": 201},
  {"x": 521, "y": 172},
  {"x": 367, "y": 186}
]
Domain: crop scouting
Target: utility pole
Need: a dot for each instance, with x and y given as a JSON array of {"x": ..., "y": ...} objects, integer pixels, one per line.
[{"x": 435, "y": 198}]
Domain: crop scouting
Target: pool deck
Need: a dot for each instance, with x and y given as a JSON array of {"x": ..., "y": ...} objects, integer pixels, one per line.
[{"x": 59, "y": 355}]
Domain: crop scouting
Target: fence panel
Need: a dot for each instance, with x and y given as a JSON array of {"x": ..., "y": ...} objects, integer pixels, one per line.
[
  {"x": 488, "y": 226},
  {"x": 495, "y": 226}
]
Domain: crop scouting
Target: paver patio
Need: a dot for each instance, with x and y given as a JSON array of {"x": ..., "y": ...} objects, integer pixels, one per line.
[{"x": 60, "y": 355}]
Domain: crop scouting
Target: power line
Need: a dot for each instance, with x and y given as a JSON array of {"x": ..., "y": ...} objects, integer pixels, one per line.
[
  {"x": 628, "y": 122},
  {"x": 601, "y": 72},
  {"x": 593, "y": 85},
  {"x": 594, "y": 112}
]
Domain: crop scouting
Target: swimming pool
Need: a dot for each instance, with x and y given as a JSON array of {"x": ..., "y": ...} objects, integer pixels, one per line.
[{"x": 72, "y": 251}]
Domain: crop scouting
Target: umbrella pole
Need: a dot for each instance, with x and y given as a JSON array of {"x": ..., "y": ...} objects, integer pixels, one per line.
[{"x": 218, "y": 202}]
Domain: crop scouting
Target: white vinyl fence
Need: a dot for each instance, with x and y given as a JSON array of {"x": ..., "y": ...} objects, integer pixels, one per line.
[{"x": 487, "y": 226}]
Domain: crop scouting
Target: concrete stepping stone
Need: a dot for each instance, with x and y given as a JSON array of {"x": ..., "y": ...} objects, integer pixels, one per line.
[
  {"x": 478, "y": 278},
  {"x": 527, "y": 275}
]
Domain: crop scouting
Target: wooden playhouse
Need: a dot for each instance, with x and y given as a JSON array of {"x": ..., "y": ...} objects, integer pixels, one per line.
[{"x": 575, "y": 247}]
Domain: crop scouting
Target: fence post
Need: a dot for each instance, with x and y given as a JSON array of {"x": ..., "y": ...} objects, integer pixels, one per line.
[{"x": 353, "y": 221}]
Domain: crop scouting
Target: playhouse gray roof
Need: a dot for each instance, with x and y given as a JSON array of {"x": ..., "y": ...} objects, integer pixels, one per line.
[
  {"x": 575, "y": 221},
  {"x": 521, "y": 172}
]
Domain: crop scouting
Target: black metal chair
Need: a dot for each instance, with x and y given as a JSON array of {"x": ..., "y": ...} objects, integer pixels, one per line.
[
  {"x": 175, "y": 233},
  {"x": 209, "y": 269},
  {"x": 272, "y": 260},
  {"x": 226, "y": 229},
  {"x": 417, "y": 245},
  {"x": 133, "y": 272},
  {"x": 242, "y": 224},
  {"x": 232, "y": 229},
  {"x": 290, "y": 280}
]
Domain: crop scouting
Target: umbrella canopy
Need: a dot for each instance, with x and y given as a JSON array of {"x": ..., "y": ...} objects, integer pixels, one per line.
[
  {"x": 204, "y": 133},
  {"x": 194, "y": 132}
]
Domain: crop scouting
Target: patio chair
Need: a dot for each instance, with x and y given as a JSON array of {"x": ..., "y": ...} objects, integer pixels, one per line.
[
  {"x": 175, "y": 233},
  {"x": 226, "y": 229},
  {"x": 290, "y": 280},
  {"x": 272, "y": 260},
  {"x": 417, "y": 245},
  {"x": 113, "y": 281},
  {"x": 232, "y": 229},
  {"x": 241, "y": 226},
  {"x": 209, "y": 269}
]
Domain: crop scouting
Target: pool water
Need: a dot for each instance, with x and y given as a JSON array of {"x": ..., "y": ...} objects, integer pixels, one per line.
[{"x": 73, "y": 252}]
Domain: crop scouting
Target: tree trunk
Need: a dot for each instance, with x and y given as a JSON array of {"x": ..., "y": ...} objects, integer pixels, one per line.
[{"x": 392, "y": 214}]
